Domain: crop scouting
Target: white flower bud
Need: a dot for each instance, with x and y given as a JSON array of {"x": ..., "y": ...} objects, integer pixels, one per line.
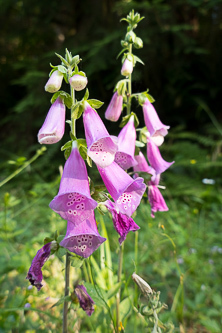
[{"x": 78, "y": 82}]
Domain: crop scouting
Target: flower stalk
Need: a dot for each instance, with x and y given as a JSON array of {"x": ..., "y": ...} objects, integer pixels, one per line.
[
  {"x": 129, "y": 88},
  {"x": 65, "y": 306},
  {"x": 118, "y": 295}
]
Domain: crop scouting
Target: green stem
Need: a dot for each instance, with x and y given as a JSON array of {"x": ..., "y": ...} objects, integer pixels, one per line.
[
  {"x": 120, "y": 265},
  {"x": 65, "y": 306},
  {"x": 73, "y": 121},
  {"x": 90, "y": 272},
  {"x": 136, "y": 262},
  {"x": 129, "y": 88},
  {"x": 15, "y": 173}
]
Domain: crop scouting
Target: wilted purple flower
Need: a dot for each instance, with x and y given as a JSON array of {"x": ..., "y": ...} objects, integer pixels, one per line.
[
  {"x": 114, "y": 109},
  {"x": 126, "y": 191},
  {"x": 155, "y": 158},
  {"x": 127, "y": 67},
  {"x": 155, "y": 198},
  {"x": 73, "y": 202},
  {"x": 101, "y": 146},
  {"x": 126, "y": 146},
  {"x": 142, "y": 165},
  {"x": 122, "y": 223},
  {"x": 53, "y": 127},
  {"x": 78, "y": 82},
  {"x": 82, "y": 239},
  {"x": 152, "y": 121},
  {"x": 54, "y": 82},
  {"x": 85, "y": 301},
  {"x": 35, "y": 273},
  {"x": 27, "y": 305}
]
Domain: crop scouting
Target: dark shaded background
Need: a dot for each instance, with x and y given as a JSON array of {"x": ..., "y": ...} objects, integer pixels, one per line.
[{"x": 182, "y": 52}]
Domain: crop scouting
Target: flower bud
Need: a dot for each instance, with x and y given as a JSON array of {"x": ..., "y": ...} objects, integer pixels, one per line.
[
  {"x": 78, "y": 82},
  {"x": 143, "y": 285},
  {"x": 54, "y": 82},
  {"x": 130, "y": 37},
  {"x": 138, "y": 43},
  {"x": 124, "y": 43},
  {"x": 127, "y": 68}
]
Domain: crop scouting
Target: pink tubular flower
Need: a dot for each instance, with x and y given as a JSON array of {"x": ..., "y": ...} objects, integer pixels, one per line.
[
  {"x": 101, "y": 146},
  {"x": 82, "y": 239},
  {"x": 85, "y": 301},
  {"x": 78, "y": 82},
  {"x": 142, "y": 165},
  {"x": 126, "y": 191},
  {"x": 35, "y": 273},
  {"x": 155, "y": 158},
  {"x": 126, "y": 146},
  {"x": 114, "y": 109},
  {"x": 73, "y": 202},
  {"x": 127, "y": 68},
  {"x": 155, "y": 198},
  {"x": 155, "y": 127},
  {"x": 54, "y": 82},
  {"x": 122, "y": 223},
  {"x": 53, "y": 127}
]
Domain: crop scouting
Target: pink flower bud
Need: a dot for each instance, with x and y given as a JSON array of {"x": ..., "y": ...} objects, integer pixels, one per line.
[
  {"x": 54, "y": 82},
  {"x": 78, "y": 82},
  {"x": 127, "y": 68},
  {"x": 114, "y": 109}
]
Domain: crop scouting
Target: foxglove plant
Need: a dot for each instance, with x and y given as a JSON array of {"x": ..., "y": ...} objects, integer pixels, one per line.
[{"x": 78, "y": 197}]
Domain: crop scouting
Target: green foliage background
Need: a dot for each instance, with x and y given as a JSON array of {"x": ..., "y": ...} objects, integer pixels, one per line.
[{"x": 182, "y": 52}]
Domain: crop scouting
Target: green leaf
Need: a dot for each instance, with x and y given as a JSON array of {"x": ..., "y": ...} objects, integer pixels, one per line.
[
  {"x": 64, "y": 96},
  {"x": 77, "y": 111},
  {"x": 62, "y": 69},
  {"x": 89, "y": 161},
  {"x": 66, "y": 145},
  {"x": 98, "y": 295},
  {"x": 125, "y": 308},
  {"x": 113, "y": 290},
  {"x": 60, "y": 252},
  {"x": 48, "y": 240},
  {"x": 86, "y": 96},
  {"x": 67, "y": 153},
  {"x": 62, "y": 59},
  {"x": 61, "y": 301},
  {"x": 137, "y": 59},
  {"x": 76, "y": 261},
  {"x": 139, "y": 144},
  {"x": 83, "y": 152},
  {"x": 123, "y": 50},
  {"x": 95, "y": 103},
  {"x": 127, "y": 118},
  {"x": 75, "y": 60}
]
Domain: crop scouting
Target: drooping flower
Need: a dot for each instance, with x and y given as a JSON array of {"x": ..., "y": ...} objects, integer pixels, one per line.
[
  {"x": 85, "y": 301},
  {"x": 73, "y": 201},
  {"x": 155, "y": 198},
  {"x": 114, "y": 109},
  {"x": 101, "y": 146},
  {"x": 125, "y": 191},
  {"x": 126, "y": 146},
  {"x": 53, "y": 127},
  {"x": 155, "y": 158},
  {"x": 35, "y": 273},
  {"x": 78, "y": 82},
  {"x": 54, "y": 82},
  {"x": 142, "y": 165},
  {"x": 155, "y": 127},
  {"x": 82, "y": 239},
  {"x": 122, "y": 223},
  {"x": 127, "y": 67}
]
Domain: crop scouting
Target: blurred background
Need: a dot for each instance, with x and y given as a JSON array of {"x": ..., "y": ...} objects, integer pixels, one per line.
[{"x": 182, "y": 55}]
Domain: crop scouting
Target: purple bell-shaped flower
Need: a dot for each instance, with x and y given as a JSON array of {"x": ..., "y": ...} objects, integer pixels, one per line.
[
  {"x": 155, "y": 127},
  {"x": 73, "y": 202},
  {"x": 53, "y": 127},
  {"x": 85, "y": 301},
  {"x": 127, "y": 67},
  {"x": 126, "y": 146},
  {"x": 114, "y": 109},
  {"x": 35, "y": 271},
  {"x": 155, "y": 158},
  {"x": 155, "y": 198},
  {"x": 83, "y": 239},
  {"x": 101, "y": 146},
  {"x": 122, "y": 223},
  {"x": 125, "y": 191},
  {"x": 142, "y": 165},
  {"x": 54, "y": 82}
]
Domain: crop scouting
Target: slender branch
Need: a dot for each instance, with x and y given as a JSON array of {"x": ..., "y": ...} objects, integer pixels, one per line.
[
  {"x": 120, "y": 265},
  {"x": 65, "y": 306},
  {"x": 15, "y": 173}
]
